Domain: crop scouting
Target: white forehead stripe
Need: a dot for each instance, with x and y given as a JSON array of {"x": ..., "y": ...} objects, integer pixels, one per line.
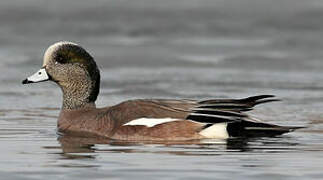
[
  {"x": 51, "y": 49},
  {"x": 149, "y": 122}
]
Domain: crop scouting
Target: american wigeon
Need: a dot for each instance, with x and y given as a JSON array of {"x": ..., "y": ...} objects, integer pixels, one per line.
[{"x": 76, "y": 73}]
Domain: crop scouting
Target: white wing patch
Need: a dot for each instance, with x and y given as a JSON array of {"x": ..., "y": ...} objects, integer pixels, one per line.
[
  {"x": 218, "y": 131},
  {"x": 149, "y": 122}
]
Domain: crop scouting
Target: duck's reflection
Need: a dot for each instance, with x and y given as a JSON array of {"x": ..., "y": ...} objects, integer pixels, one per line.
[
  {"x": 72, "y": 144},
  {"x": 80, "y": 147}
]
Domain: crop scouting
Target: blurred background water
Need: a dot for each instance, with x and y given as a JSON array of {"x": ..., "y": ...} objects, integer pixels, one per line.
[{"x": 166, "y": 49}]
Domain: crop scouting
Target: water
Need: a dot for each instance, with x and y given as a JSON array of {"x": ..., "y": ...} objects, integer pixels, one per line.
[{"x": 165, "y": 49}]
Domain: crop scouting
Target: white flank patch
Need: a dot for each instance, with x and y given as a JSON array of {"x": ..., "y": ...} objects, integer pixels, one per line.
[
  {"x": 218, "y": 131},
  {"x": 149, "y": 122}
]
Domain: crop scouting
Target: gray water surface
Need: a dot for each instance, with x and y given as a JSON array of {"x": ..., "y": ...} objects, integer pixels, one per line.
[{"x": 166, "y": 49}]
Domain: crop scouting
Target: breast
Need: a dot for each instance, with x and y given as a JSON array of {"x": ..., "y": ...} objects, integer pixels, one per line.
[{"x": 84, "y": 122}]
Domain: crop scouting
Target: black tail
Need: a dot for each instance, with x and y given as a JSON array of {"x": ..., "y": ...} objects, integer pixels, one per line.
[
  {"x": 237, "y": 105},
  {"x": 231, "y": 111},
  {"x": 255, "y": 129},
  {"x": 226, "y": 110}
]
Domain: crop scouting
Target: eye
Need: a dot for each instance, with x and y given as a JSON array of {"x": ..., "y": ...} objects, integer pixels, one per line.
[{"x": 60, "y": 59}]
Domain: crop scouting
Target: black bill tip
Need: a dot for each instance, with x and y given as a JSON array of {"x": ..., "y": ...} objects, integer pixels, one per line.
[{"x": 26, "y": 81}]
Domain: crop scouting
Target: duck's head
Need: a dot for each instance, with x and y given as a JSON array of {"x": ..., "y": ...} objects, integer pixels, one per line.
[{"x": 74, "y": 70}]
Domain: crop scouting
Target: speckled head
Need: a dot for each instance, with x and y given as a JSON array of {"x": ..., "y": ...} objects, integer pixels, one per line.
[
  {"x": 74, "y": 70},
  {"x": 68, "y": 52}
]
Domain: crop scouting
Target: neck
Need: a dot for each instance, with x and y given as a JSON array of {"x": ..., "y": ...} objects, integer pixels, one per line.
[
  {"x": 77, "y": 96},
  {"x": 76, "y": 105}
]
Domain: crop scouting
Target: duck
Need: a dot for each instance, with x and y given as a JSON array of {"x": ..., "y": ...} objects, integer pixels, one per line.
[{"x": 74, "y": 70}]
